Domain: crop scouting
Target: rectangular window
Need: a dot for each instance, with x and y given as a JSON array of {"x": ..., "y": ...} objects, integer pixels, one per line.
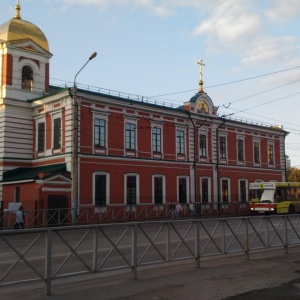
[
  {"x": 131, "y": 190},
  {"x": 204, "y": 190},
  {"x": 182, "y": 189},
  {"x": 17, "y": 194},
  {"x": 271, "y": 154},
  {"x": 180, "y": 141},
  {"x": 100, "y": 190},
  {"x": 156, "y": 139},
  {"x": 130, "y": 136},
  {"x": 240, "y": 148},
  {"x": 99, "y": 133},
  {"x": 223, "y": 147},
  {"x": 225, "y": 190},
  {"x": 243, "y": 191},
  {"x": 41, "y": 137},
  {"x": 203, "y": 145},
  {"x": 57, "y": 133},
  {"x": 158, "y": 190},
  {"x": 256, "y": 152}
]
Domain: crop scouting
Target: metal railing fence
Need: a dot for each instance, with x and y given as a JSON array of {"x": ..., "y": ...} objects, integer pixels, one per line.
[
  {"x": 119, "y": 213},
  {"x": 47, "y": 254}
]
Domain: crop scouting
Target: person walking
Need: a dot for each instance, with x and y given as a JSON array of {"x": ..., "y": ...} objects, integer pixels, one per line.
[
  {"x": 192, "y": 209},
  {"x": 178, "y": 209},
  {"x": 20, "y": 219}
]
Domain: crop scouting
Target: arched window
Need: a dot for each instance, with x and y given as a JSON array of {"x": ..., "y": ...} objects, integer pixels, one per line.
[{"x": 27, "y": 78}]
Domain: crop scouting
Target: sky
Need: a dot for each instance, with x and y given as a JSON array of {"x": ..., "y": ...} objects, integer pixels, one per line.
[{"x": 150, "y": 49}]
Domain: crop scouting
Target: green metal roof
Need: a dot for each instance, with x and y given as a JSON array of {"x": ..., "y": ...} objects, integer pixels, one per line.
[
  {"x": 196, "y": 96},
  {"x": 20, "y": 174}
]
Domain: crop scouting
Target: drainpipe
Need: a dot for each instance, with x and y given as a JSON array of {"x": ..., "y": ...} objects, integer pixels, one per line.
[
  {"x": 217, "y": 166},
  {"x": 195, "y": 161},
  {"x": 285, "y": 134}
]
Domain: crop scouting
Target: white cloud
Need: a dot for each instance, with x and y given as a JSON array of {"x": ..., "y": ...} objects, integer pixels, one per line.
[
  {"x": 270, "y": 50},
  {"x": 230, "y": 21},
  {"x": 283, "y": 10},
  {"x": 242, "y": 28}
]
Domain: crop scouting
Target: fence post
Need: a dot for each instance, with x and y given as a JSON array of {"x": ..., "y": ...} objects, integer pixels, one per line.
[
  {"x": 247, "y": 238},
  {"x": 95, "y": 248},
  {"x": 48, "y": 261},
  {"x": 168, "y": 241},
  {"x": 197, "y": 244},
  {"x": 266, "y": 220},
  {"x": 286, "y": 246},
  {"x": 223, "y": 236},
  {"x": 44, "y": 211},
  {"x": 134, "y": 251}
]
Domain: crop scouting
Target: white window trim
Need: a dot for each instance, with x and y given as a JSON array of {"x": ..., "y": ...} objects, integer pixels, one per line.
[
  {"x": 104, "y": 117},
  {"x": 157, "y": 155},
  {"x": 257, "y": 164},
  {"x": 164, "y": 187},
  {"x": 56, "y": 115},
  {"x": 135, "y": 151},
  {"x": 137, "y": 187},
  {"x": 229, "y": 190},
  {"x": 203, "y": 131},
  {"x": 223, "y": 160},
  {"x": 240, "y": 162},
  {"x": 247, "y": 189},
  {"x": 107, "y": 186},
  {"x": 181, "y": 156},
  {"x": 187, "y": 188},
  {"x": 209, "y": 189},
  {"x": 272, "y": 143},
  {"x": 38, "y": 120}
]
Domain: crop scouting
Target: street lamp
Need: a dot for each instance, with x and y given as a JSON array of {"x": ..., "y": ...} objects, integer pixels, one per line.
[{"x": 74, "y": 173}]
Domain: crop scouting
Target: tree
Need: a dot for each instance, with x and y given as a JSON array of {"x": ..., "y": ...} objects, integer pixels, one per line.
[{"x": 293, "y": 174}]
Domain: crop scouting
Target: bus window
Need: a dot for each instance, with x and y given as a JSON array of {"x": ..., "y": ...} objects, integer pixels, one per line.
[
  {"x": 280, "y": 194},
  {"x": 267, "y": 195},
  {"x": 255, "y": 194}
]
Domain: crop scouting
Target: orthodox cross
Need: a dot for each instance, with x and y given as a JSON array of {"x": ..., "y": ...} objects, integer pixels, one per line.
[{"x": 200, "y": 62}]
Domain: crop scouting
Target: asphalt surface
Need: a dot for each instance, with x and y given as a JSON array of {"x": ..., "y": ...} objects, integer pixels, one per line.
[{"x": 271, "y": 275}]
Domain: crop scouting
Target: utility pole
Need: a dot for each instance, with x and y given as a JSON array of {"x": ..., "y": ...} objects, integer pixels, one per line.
[{"x": 74, "y": 171}]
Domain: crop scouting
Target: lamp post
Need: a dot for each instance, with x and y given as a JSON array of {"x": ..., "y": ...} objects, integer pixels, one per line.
[{"x": 74, "y": 173}]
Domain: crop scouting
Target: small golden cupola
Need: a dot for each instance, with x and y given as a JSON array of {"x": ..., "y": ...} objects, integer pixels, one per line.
[
  {"x": 25, "y": 55},
  {"x": 18, "y": 29}
]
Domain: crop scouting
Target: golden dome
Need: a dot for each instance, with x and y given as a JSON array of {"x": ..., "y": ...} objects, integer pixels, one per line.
[{"x": 18, "y": 29}]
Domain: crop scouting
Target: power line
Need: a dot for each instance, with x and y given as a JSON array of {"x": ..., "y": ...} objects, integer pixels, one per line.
[
  {"x": 259, "y": 93},
  {"x": 231, "y": 82}
]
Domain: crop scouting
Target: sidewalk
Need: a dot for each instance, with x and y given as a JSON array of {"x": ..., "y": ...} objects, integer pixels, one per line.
[{"x": 260, "y": 278}]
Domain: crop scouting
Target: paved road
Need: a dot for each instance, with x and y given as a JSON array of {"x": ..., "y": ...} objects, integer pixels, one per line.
[{"x": 270, "y": 276}]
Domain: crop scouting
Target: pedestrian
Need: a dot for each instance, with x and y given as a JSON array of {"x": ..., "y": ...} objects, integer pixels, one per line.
[
  {"x": 178, "y": 209},
  {"x": 172, "y": 208},
  {"x": 192, "y": 209},
  {"x": 20, "y": 218}
]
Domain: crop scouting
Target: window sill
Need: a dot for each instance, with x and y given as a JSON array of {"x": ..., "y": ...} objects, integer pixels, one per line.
[
  {"x": 56, "y": 151},
  {"x": 130, "y": 153},
  {"x": 100, "y": 150}
]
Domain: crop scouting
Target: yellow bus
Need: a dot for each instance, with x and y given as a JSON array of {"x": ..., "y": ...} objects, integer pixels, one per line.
[{"x": 275, "y": 197}]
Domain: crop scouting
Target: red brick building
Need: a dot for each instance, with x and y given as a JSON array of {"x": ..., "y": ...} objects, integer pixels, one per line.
[{"x": 130, "y": 151}]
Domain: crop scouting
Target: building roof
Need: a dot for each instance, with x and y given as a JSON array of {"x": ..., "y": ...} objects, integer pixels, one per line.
[
  {"x": 20, "y": 174},
  {"x": 18, "y": 29}
]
